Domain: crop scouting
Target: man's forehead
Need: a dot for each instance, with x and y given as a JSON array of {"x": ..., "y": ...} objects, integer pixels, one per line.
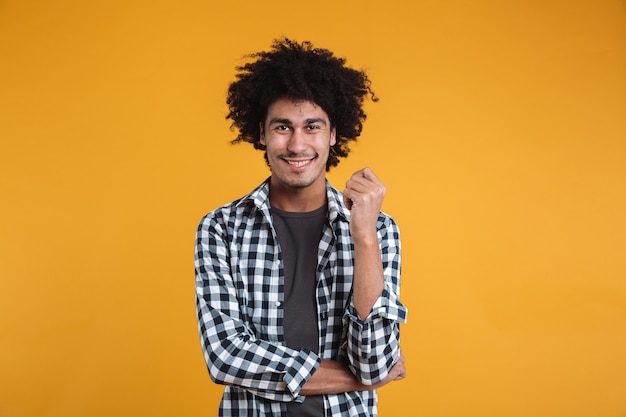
[{"x": 295, "y": 109}]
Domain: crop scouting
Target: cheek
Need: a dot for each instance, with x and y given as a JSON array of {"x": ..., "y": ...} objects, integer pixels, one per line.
[{"x": 274, "y": 145}]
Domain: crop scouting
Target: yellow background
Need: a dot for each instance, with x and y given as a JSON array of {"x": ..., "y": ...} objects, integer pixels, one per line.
[{"x": 500, "y": 133}]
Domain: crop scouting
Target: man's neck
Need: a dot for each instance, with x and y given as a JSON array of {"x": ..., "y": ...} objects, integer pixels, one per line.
[{"x": 298, "y": 199}]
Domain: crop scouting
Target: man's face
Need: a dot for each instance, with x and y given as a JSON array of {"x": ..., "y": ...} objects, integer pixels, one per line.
[{"x": 297, "y": 136}]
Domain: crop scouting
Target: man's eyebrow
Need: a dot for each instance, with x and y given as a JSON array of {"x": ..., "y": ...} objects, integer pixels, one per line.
[
  {"x": 315, "y": 120},
  {"x": 280, "y": 121}
]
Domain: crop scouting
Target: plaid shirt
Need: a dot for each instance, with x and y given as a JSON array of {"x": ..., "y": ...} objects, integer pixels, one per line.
[{"x": 239, "y": 297}]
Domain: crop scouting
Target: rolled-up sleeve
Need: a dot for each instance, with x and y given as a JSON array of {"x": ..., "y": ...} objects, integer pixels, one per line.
[{"x": 373, "y": 343}]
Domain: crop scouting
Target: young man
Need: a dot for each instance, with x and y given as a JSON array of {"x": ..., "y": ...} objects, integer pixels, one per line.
[{"x": 298, "y": 284}]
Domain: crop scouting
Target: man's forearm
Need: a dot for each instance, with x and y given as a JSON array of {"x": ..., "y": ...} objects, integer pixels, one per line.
[
  {"x": 332, "y": 377},
  {"x": 369, "y": 281}
]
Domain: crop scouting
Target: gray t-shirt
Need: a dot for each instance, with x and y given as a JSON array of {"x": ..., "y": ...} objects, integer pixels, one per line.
[{"x": 299, "y": 235}]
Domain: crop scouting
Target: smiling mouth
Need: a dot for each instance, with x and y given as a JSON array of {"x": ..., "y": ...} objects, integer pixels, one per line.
[{"x": 299, "y": 163}]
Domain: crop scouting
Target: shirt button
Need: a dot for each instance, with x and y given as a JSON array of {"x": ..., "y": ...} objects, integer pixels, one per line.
[{"x": 277, "y": 303}]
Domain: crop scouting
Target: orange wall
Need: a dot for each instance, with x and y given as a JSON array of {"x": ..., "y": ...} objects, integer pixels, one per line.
[{"x": 501, "y": 135}]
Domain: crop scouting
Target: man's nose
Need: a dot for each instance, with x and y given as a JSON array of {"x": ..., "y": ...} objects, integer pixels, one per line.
[{"x": 297, "y": 141}]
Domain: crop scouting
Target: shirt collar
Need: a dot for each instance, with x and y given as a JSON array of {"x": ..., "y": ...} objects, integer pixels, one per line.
[
  {"x": 336, "y": 208},
  {"x": 260, "y": 198}
]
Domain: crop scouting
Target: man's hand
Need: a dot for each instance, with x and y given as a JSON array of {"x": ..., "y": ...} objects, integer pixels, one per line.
[{"x": 364, "y": 196}]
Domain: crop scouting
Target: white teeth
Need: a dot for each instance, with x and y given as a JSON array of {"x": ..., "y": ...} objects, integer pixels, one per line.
[{"x": 298, "y": 163}]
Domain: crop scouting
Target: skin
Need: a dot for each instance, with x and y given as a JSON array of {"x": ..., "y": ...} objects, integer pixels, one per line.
[{"x": 298, "y": 136}]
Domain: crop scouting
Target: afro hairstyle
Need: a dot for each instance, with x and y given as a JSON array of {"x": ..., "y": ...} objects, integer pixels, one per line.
[{"x": 299, "y": 72}]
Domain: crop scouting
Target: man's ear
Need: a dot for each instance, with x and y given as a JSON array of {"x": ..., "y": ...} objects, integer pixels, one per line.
[
  {"x": 261, "y": 134},
  {"x": 333, "y": 136}
]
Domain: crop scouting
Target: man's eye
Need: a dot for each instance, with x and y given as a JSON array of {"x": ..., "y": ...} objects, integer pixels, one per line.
[
  {"x": 312, "y": 127},
  {"x": 282, "y": 128}
]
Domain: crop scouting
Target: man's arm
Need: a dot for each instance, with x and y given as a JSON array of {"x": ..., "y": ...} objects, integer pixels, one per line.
[
  {"x": 364, "y": 196},
  {"x": 334, "y": 377},
  {"x": 373, "y": 332}
]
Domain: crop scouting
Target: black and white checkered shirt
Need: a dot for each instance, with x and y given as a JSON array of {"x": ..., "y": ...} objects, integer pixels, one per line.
[{"x": 239, "y": 298}]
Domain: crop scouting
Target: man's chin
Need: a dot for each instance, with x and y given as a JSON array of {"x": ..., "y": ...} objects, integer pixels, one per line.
[
  {"x": 295, "y": 183},
  {"x": 299, "y": 184}
]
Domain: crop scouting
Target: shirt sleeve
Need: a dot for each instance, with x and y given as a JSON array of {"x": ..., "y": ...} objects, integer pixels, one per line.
[
  {"x": 233, "y": 354},
  {"x": 372, "y": 344}
]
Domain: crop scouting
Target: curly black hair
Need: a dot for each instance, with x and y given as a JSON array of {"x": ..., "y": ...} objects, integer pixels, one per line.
[{"x": 299, "y": 71}]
